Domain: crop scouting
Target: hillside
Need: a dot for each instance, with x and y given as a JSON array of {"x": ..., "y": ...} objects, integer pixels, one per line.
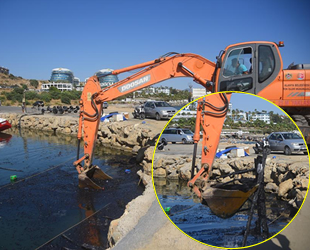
[{"x": 9, "y": 81}]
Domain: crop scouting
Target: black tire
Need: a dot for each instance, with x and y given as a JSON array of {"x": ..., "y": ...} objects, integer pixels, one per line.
[
  {"x": 255, "y": 150},
  {"x": 160, "y": 147},
  {"x": 164, "y": 141},
  {"x": 287, "y": 150},
  {"x": 305, "y": 153},
  {"x": 142, "y": 116},
  {"x": 184, "y": 141},
  {"x": 173, "y": 142},
  {"x": 157, "y": 116}
]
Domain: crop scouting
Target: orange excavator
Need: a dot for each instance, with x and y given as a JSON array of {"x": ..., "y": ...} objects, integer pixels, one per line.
[{"x": 253, "y": 67}]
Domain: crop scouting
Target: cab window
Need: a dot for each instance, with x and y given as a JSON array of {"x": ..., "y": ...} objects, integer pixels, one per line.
[
  {"x": 242, "y": 84},
  {"x": 238, "y": 62},
  {"x": 266, "y": 63}
]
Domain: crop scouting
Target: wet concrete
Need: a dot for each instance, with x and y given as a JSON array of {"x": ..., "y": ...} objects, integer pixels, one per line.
[
  {"x": 39, "y": 207},
  {"x": 199, "y": 222}
]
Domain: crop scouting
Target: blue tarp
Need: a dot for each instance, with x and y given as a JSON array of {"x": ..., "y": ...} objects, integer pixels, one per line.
[
  {"x": 109, "y": 116},
  {"x": 219, "y": 154}
]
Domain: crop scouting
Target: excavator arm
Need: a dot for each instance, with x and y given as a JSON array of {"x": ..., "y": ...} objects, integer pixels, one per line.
[
  {"x": 211, "y": 114},
  {"x": 171, "y": 65}
]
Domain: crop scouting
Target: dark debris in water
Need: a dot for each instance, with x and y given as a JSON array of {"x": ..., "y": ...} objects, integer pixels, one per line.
[
  {"x": 199, "y": 222},
  {"x": 37, "y": 209}
]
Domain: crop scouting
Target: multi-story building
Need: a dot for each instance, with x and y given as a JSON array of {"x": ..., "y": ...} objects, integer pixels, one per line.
[
  {"x": 61, "y": 78},
  {"x": 76, "y": 81},
  {"x": 163, "y": 90},
  {"x": 62, "y": 75},
  {"x": 150, "y": 90},
  {"x": 60, "y": 86},
  {"x": 106, "y": 80},
  {"x": 261, "y": 116}
]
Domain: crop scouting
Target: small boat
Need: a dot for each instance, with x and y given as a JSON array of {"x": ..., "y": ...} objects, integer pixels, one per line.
[{"x": 4, "y": 124}]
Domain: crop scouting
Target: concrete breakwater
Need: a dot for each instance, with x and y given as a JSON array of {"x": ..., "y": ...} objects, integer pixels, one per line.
[
  {"x": 287, "y": 179},
  {"x": 122, "y": 135}
]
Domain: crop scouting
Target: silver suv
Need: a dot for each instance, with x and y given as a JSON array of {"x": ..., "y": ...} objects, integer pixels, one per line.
[
  {"x": 287, "y": 142},
  {"x": 159, "y": 110},
  {"x": 177, "y": 135}
]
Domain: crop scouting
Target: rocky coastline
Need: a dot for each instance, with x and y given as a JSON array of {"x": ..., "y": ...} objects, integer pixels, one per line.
[{"x": 286, "y": 178}]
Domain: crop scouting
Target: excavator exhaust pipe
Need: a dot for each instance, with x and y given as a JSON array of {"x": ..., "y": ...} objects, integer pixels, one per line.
[{"x": 86, "y": 176}]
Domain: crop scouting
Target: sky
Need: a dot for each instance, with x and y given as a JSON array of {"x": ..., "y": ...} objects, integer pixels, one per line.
[
  {"x": 247, "y": 102},
  {"x": 88, "y": 35}
]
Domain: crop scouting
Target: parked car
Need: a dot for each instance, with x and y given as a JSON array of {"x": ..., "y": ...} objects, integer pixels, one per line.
[
  {"x": 287, "y": 142},
  {"x": 38, "y": 104},
  {"x": 159, "y": 110},
  {"x": 177, "y": 135}
]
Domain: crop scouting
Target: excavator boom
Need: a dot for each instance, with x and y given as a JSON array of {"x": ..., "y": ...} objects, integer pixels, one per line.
[
  {"x": 92, "y": 98},
  {"x": 164, "y": 68}
]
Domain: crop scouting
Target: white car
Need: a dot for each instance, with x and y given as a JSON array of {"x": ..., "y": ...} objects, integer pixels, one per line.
[{"x": 177, "y": 135}]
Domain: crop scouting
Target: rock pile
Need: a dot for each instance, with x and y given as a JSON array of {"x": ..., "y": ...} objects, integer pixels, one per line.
[
  {"x": 115, "y": 134},
  {"x": 288, "y": 179}
]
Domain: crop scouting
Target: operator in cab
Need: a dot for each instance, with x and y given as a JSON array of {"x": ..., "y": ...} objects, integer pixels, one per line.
[{"x": 240, "y": 69}]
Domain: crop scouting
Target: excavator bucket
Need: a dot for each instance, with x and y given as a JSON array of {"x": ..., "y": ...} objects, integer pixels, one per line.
[
  {"x": 226, "y": 202},
  {"x": 85, "y": 178}
]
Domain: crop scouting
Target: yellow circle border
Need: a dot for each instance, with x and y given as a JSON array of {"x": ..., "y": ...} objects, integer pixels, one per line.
[{"x": 153, "y": 170}]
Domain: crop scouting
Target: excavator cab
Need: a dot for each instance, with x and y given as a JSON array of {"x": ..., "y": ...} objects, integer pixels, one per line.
[{"x": 249, "y": 67}]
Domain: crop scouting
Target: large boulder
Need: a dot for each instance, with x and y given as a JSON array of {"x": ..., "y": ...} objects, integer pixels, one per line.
[
  {"x": 159, "y": 172},
  {"x": 271, "y": 188},
  {"x": 226, "y": 169},
  {"x": 285, "y": 187}
]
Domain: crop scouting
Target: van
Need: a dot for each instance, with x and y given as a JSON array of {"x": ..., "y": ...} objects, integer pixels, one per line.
[{"x": 177, "y": 135}]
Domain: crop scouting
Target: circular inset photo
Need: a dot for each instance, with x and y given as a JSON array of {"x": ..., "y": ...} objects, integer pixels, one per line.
[{"x": 231, "y": 170}]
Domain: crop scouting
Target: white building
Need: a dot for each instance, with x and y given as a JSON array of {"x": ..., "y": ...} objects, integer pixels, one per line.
[
  {"x": 150, "y": 91},
  {"x": 163, "y": 90},
  {"x": 61, "y": 78},
  {"x": 60, "y": 86},
  {"x": 261, "y": 116}
]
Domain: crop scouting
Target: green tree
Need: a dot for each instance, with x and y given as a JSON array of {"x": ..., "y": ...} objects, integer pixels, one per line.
[
  {"x": 54, "y": 92},
  {"x": 34, "y": 83},
  {"x": 45, "y": 96},
  {"x": 31, "y": 95},
  {"x": 65, "y": 99}
]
